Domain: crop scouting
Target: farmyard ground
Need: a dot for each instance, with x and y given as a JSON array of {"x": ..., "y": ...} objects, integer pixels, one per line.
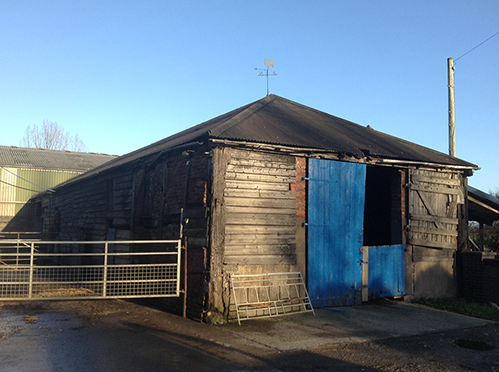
[{"x": 83, "y": 336}]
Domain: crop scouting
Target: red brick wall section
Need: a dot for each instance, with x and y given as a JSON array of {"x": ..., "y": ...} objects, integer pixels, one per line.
[
  {"x": 198, "y": 181},
  {"x": 300, "y": 189},
  {"x": 479, "y": 276}
]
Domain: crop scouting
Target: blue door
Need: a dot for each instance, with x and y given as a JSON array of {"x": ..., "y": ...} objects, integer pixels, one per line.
[
  {"x": 336, "y": 194},
  {"x": 386, "y": 275}
]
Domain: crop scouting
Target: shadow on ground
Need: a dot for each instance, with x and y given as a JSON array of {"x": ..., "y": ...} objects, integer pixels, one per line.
[{"x": 106, "y": 336}]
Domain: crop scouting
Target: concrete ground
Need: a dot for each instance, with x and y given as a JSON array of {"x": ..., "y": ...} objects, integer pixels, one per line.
[
  {"x": 130, "y": 336},
  {"x": 351, "y": 324}
]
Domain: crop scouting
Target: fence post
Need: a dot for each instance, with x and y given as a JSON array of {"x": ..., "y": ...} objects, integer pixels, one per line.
[
  {"x": 31, "y": 268},
  {"x": 179, "y": 260},
  {"x": 17, "y": 245},
  {"x": 104, "y": 284}
]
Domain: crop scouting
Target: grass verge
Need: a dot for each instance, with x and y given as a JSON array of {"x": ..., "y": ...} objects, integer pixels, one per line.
[{"x": 464, "y": 307}]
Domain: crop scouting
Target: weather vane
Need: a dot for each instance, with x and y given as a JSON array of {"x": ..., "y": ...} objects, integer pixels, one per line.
[{"x": 265, "y": 72}]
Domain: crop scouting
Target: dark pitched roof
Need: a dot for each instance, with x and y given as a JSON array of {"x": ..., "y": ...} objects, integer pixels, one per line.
[
  {"x": 278, "y": 121},
  {"x": 482, "y": 207},
  {"x": 23, "y": 157}
]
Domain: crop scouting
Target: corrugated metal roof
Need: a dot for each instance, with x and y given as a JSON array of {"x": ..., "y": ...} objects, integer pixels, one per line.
[
  {"x": 29, "y": 158},
  {"x": 279, "y": 121},
  {"x": 482, "y": 207},
  {"x": 275, "y": 120}
]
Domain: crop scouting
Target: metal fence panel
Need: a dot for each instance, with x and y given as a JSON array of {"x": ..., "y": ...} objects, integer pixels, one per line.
[
  {"x": 44, "y": 270},
  {"x": 268, "y": 295}
]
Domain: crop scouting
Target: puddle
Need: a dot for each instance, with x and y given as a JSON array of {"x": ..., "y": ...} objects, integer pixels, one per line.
[
  {"x": 13, "y": 325},
  {"x": 30, "y": 319},
  {"x": 473, "y": 345}
]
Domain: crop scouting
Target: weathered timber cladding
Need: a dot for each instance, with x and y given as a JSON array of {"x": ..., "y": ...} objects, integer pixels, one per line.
[
  {"x": 78, "y": 213},
  {"x": 260, "y": 209},
  {"x": 218, "y": 288},
  {"x": 161, "y": 190},
  {"x": 434, "y": 198},
  {"x": 141, "y": 200},
  {"x": 121, "y": 197}
]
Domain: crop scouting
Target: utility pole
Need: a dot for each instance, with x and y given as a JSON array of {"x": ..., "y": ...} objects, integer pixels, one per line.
[{"x": 452, "y": 115}]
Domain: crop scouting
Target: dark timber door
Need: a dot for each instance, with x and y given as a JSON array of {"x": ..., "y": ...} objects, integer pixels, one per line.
[
  {"x": 433, "y": 201},
  {"x": 336, "y": 194}
]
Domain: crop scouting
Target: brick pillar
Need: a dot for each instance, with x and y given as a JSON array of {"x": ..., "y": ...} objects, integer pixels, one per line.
[{"x": 300, "y": 189}]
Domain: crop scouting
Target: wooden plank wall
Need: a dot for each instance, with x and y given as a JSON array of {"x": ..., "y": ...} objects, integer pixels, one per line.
[
  {"x": 122, "y": 196},
  {"x": 76, "y": 214},
  {"x": 433, "y": 219},
  {"x": 141, "y": 200},
  {"x": 260, "y": 209}
]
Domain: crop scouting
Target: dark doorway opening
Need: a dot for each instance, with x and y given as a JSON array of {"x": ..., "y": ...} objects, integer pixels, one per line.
[{"x": 382, "y": 213}]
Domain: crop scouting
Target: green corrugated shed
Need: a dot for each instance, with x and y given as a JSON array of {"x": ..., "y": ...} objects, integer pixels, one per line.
[
  {"x": 45, "y": 179},
  {"x": 25, "y": 172}
]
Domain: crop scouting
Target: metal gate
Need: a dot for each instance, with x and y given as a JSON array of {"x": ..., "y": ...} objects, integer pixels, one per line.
[
  {"x": 336, "y": 195},
  {"x": 56, "y": 270}
]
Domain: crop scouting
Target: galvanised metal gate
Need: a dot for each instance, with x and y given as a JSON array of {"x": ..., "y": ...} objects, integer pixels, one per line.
[{"x": 56, "y": 270}]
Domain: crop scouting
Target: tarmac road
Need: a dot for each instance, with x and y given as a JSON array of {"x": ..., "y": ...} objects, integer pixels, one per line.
[{"x": 84, "y": 336}]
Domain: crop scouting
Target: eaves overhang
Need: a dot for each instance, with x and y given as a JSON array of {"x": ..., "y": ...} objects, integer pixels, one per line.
[
  {"x": 482, "y": 207},
  {"x": 366, "y": 157}
]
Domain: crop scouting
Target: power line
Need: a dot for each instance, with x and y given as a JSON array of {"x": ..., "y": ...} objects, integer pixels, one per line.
[
  {"x": 14, "y": 174},
  {"x": 19, "y": 187},
  {"x": 483, "y": 42}
]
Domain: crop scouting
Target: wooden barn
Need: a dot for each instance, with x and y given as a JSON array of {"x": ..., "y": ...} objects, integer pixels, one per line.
[
  {"x": 24, "y": 172},
  {"x": 275, "y": 186}
]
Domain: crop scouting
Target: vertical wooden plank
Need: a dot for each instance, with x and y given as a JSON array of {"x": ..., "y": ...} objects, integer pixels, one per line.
[
  {"x": 462, "y": 228},
  {"x": 365, "y": 274},
  {"x": 219, "y": 161}
]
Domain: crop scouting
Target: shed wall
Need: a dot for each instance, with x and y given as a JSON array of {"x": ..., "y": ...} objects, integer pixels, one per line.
[
  {"x": 141, "y": 200},
  {"x": 17, "y": 186},
  {"x": 258, "y": 206},
  {"x": 436, "y": 211}
]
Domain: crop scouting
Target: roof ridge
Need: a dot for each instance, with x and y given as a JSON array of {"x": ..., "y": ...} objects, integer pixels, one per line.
[{"x": 41, "y": 149}]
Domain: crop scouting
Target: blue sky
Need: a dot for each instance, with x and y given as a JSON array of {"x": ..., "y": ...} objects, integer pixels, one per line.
[{"x": 124, "y": 74}]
